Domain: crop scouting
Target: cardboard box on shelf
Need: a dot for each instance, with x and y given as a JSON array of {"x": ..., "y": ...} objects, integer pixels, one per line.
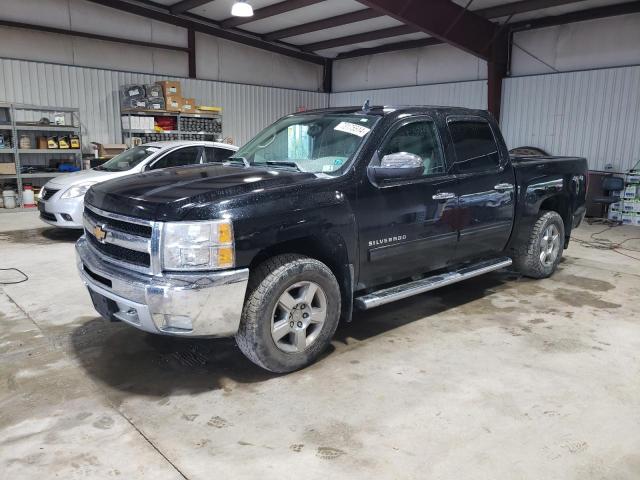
[
  {"x": 170, "y": 88},
  {"x": 173, "y": 103},
  {"x": 188, "y": 105},
  {"x": 153, "y": 91},
  {"x": 616, "y": 206},
  {"x": 156, "y": 103},
  {"x": 8, "y": 168},
  {"x": 108, "y": 150}
]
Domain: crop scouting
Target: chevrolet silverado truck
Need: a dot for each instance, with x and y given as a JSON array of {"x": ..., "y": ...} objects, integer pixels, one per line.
[{"x": 321, "y": 212}]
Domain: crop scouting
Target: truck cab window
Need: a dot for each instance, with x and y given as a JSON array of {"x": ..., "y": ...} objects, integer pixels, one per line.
[
  {"x": 475, "y": 146},
  {"x": 179, "y": 158},
  {"x": 419, "y": 138}
]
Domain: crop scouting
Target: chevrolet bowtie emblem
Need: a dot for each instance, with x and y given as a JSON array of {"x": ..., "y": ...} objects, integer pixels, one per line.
[{"x": 100, "y": 233}]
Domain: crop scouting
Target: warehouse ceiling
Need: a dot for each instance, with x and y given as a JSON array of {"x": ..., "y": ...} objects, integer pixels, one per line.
[{"x": 319, "y": 29}]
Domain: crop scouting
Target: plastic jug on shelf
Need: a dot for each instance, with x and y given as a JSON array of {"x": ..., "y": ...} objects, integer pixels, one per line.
[
  {"x": 9, "y": 198},
  {"x": 28, "y": 197}
]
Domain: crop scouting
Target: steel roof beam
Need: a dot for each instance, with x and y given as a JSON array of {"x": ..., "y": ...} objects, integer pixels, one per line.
[
  {"x": 268, "y": 11},
  {"x": 443, "y": 19},
  {"x": 186, "y": 5}
]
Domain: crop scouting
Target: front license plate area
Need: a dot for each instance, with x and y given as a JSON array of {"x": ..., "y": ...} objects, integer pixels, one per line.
[{"x": 105, "y": 306}]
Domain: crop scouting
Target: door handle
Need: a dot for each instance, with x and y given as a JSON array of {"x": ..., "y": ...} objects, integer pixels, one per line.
[
  {"x": 503, "y": 187},
  {"x": 444, "y": 196}
]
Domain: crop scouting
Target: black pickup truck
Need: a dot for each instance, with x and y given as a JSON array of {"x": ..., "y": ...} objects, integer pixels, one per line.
[{"x": 323, "y": 211}]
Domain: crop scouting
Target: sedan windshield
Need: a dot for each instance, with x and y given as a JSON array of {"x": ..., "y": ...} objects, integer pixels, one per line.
[
  {"x": 128, "y": 159},
  {"x": 317, "y": 143}
]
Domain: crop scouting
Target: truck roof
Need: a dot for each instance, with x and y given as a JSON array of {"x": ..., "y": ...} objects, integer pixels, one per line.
[{"x": 384, "y": 110}]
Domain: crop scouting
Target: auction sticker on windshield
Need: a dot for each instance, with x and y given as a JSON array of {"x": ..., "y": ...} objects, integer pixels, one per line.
[{"x": 352, "y": 128}]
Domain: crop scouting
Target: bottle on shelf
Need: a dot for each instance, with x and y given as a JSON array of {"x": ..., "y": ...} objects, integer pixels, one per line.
[
  {"x": 9, "y": 198},
  {"x": 28, "y": 197}
]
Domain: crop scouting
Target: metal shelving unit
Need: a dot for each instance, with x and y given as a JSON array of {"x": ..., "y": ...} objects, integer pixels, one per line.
[
  {"x": 20, "y": 127},
  {"x": 179, "y": 134}
]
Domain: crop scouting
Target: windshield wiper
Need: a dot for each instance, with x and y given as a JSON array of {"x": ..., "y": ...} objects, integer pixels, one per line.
[
  {"x": 277, "y": 163},
  {"x": 243, "y": 160}
]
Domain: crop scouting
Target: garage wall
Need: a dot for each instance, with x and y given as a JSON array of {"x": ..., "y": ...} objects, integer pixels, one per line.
[
  {"x": 606, "y": 42},
  {"x": 461, "y": 94},
  {"x": 417, "y": 66},
  {"x": 595, "y": 114},
  {"x": 246, "y": 108},
  {"x": 217, "y": 59}
]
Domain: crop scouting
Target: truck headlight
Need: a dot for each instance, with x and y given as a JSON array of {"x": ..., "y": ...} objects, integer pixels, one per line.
[{"x": 206, "y": 245}]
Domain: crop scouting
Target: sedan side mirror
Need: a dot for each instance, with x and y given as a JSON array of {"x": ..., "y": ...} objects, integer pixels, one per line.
[{"x": 398, "y": 166}]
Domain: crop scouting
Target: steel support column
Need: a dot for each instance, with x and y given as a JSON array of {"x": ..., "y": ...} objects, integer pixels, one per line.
[
  {"x": 497, "y": 69},
  {"x": 191, "y": 45}
]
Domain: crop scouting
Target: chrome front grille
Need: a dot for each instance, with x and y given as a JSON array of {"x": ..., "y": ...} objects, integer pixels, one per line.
[{"x": 125, "y": 241}]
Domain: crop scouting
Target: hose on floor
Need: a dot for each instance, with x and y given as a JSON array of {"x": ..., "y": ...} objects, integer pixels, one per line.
[{"x": 24, "y": 275}]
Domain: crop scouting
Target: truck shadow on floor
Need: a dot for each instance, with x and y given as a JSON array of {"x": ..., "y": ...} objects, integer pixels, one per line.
[
  {"x": 41, "y": 236},
  {"x": 129, "y": 361}
]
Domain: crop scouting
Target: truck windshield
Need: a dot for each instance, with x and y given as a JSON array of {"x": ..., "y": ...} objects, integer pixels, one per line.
[
  {"x": 128, "y": 159},
  {"x": 316, "y": 143}
]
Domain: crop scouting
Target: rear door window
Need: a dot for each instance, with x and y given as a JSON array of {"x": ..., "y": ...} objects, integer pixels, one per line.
[{"x": 475, "y": 146}]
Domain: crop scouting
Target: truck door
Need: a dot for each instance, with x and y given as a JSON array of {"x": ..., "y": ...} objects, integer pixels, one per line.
[
  {"x": 486, "y": 185},
  {"x": 407, "y": 227}
]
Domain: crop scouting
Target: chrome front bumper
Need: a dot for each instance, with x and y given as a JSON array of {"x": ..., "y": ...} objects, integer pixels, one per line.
[{"x": 195, "y": 305}]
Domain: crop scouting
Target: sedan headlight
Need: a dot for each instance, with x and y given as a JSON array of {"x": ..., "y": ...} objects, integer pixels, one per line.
[
  {"x": 204, "y": 245},
  {"x": 77, "y": 190}
]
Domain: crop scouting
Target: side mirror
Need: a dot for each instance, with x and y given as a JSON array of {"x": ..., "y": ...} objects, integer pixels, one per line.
[{"x": 398, "y": 166}]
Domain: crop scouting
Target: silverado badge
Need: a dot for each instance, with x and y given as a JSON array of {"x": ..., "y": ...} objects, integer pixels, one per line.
[{"x": 100, "y": 233}]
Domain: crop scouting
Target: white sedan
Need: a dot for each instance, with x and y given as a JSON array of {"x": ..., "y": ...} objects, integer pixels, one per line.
[{"x": 61, "y": 200}]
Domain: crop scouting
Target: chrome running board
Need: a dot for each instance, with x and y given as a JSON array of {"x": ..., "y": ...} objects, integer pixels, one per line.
[{"x": 391, "y": 294}]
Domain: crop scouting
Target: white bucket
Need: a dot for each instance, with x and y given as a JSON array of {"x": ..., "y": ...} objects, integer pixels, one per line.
[{"x": 9, "y": 198}]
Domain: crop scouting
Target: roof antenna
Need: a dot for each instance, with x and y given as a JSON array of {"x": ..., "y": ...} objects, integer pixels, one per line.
[{"x": 366, "y": 106}]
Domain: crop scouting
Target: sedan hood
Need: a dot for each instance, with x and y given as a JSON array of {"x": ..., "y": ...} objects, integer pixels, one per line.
[
  {"x": 83, "y": 176},
  {"x": 170, "y": 193}
]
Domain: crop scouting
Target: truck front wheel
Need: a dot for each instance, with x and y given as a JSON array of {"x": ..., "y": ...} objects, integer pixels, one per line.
[
  {"x": 543, "y": 251},
  {"x": 290, "y": 314}
]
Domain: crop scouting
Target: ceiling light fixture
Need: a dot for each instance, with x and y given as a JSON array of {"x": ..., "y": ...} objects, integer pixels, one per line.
[{"x": 242, "y": 9}]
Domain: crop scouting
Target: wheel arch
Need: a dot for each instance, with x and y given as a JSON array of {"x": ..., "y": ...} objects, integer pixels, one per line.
[{"x": 330, "y": 249}]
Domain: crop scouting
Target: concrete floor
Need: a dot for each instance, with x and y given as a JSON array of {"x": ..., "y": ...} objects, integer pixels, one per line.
[{"x": 495, "y": 378}]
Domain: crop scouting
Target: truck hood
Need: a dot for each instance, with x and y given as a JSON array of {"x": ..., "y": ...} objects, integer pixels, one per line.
[
  {"x": 84, "y": 176},
  {"x": 168, "y": 194}
]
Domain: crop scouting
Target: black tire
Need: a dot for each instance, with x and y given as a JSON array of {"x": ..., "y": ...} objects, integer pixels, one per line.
[
  {"x": 527, "y": 259},
  {"x": 266, "y": 285}
]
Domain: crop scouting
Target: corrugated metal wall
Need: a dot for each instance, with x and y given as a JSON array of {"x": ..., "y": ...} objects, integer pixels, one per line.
[
  {"x": 246, "y": 108},
  {"x": 594, "y": 114},
  {"x": 460, "y": 94}
]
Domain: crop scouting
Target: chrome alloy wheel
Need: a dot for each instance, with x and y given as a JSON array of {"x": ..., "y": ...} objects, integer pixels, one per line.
[
  {"x": 549, "y": 245},
  {"x": 298, "y": 317}
]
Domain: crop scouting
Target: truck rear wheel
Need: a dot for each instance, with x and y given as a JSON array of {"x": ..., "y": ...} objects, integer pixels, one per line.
[
  {"x": 290, "y": 314},
  {"x": 543, "y": 251}
]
